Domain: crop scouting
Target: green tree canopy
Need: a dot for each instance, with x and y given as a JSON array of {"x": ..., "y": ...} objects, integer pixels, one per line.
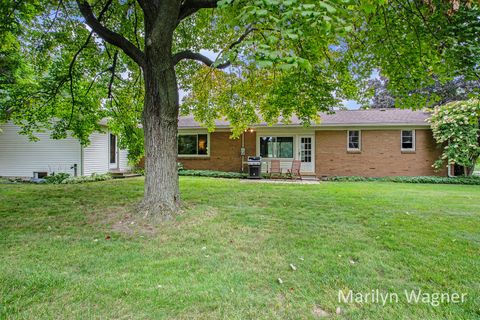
[
  {"x": 420, "y": 47},
  {"x": 283, "y": 57}
]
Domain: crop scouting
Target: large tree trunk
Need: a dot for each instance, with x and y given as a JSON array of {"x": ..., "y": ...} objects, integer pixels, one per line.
[
  {"x": 160, "y": 123},
  {"x": 160, "y": 113}
]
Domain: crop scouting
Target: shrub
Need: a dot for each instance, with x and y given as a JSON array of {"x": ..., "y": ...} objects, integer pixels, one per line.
[
  {"x": 456, "y": 126},
  {"x": 139, "y": 170},
  {"x": 57, "y": 178},
  {"x": 212, "y": 173},
  {"x": 94, "y": 177},
  {"x": 65, "y": 178},
  {"x": 475, "y": 180},
  {"x": 2, "y": 180}
]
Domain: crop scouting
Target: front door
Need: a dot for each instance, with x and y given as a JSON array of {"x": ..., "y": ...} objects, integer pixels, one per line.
[
  {"x": 112, "y": 152},
  {"x": 306, "y": 153}
]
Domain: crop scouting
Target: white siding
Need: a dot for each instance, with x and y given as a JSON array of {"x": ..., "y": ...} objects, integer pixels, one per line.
[
  {"x": 95, "y": 155},
  {"x": 123, "y": 160},
  {"x": 20, "y": 157}
]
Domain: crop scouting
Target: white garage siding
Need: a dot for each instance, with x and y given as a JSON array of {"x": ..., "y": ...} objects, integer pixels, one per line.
[
  {"x": 20, "y": 157},
  {"x": 123, "y": 160},
  {"x": 95, "y": 155}
]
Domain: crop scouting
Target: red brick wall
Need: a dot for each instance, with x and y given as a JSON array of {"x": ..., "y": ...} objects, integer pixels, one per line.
[
  {"x": 224, "y": 153},
  {"x": 380, "y": 154}
]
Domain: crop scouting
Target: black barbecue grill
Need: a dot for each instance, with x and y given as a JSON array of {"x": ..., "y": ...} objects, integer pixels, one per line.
[{"x": 254, "y": 167}]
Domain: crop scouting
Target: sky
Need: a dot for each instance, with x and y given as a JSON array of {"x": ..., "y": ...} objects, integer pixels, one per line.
[{"x": 351, "y": 104}]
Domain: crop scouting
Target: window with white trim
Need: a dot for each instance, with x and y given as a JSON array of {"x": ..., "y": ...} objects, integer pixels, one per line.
[
  {"x": 192, "y": 144},
  {"x": 276, "y": 147},
  {"x": 408, "y": 140},
  {"x": 354, "y": 140}
]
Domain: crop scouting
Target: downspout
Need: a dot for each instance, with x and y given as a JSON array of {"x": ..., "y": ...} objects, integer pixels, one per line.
[
  {"x": 81, "y": 160},
  {"x": 118, "y": 153},
  {"x": 242, "y": 151},
  {"x": 449, "y": 165}
]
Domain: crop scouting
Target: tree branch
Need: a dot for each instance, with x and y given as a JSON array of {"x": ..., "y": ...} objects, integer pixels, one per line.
[
  {"x": 135, "y": 25},
  {"x": 70, "y": 74},
  {"x": 110, "y": 36},
  {"x": 142, "y": 4},
  {"x": 114, "y": 65},
  {"x": 74, "y": 59},
  {"x": 190, "y": 55},
  {"x": 189, "y": 7},
  {"x": 60, "y": 3},
  {"x": 149, "y": 8}
]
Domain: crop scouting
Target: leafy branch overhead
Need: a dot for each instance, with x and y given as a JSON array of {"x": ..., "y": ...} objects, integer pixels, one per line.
[
  {"x": 73, "y": 81},
  {"x": 60, "y": 59}
]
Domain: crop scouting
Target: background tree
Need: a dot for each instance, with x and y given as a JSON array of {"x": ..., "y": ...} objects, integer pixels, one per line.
[
  {"x": 424, "y": 51},
  {"x": 437, "y": 94},
  {"x": 12, "y": 66},
  {"x": 381, "y": 96}
]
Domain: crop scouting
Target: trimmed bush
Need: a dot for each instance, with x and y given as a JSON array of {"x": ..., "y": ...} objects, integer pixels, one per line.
[
  {"x": 201, "y": 173},
  {"x": 94, "y": 177},
  {"x": 65, "y": 178},
  {"x": 427, "y": 179},
  {"x": 212, "y": 173},
  {"x": 6, "y": 181},
  {"x": 57, "y": 178}
]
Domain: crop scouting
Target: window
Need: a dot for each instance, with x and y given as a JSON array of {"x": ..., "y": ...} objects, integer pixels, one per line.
[
  {"x": 353, "y": 140},
  {"x": 113, "y": 148},
  {"x": 408, "y": 140},
  {"x": 39, "y": 175},
  {"x": 193, "y": 144},
  {"x": 276, "y": 147}
]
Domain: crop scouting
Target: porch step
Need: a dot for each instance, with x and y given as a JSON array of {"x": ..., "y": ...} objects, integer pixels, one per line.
[
  {"x": 123, "y": 175},
  {"x": 309, "y": 178}
]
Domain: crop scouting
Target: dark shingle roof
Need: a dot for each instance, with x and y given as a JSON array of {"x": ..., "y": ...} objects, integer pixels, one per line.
[{"x": 372, "y": 117}]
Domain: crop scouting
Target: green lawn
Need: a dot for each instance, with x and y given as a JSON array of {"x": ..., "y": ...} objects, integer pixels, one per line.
[{"x": 222, "y": 257}]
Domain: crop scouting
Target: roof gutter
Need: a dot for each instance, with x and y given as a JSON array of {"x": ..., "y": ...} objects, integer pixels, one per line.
[{"x": 321, "y": 126}]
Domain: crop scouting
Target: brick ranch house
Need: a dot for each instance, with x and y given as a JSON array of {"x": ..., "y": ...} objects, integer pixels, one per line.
[{"x": 371, "y": 143}]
